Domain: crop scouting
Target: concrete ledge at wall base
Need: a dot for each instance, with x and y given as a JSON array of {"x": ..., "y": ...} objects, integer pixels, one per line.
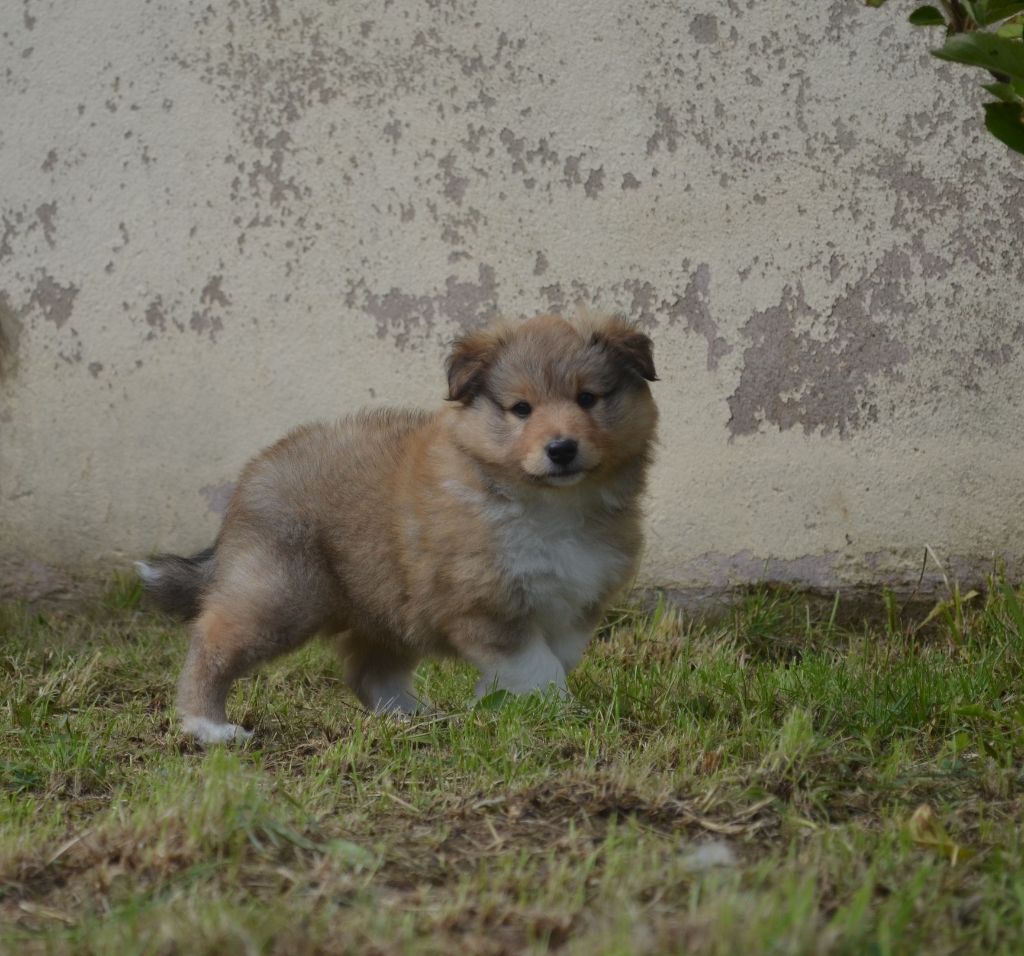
[
  {"x": 914, "y": 594},
  {"x": 36, "y": 582},
  {"x": 853, "y": 606}
]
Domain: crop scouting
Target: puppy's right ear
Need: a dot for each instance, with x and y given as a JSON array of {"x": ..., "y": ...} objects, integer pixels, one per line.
[
  {"x": 468, "y": 362},
  {"x": 633, "y": 349}
]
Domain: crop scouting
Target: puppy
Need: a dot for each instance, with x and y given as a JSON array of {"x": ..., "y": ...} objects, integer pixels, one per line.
[{"x": 496, "y": 529}]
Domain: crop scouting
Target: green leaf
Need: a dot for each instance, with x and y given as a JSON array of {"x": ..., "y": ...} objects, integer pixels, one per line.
[
  {"x": 1005, "y": 121},
  {"x": 992, "y": 11},
  {"x": 986, "y": 50},
  {"x": 976, "y": 710},
  {"x": 495, "y": 700},
  {"x": 927, "y": 17},
  {"x": 873, "y": 3},
  {"x": 347, "y": 852},
  {"x": 1003, "y": 91},
  {"x": 1012, "y": 31}
]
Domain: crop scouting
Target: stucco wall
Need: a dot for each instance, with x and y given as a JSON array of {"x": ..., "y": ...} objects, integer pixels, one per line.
[{"x": 218, "y": 220}]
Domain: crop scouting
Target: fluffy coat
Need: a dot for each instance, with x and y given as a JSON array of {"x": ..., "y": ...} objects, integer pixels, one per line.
[{"x": 496, "y": 529}]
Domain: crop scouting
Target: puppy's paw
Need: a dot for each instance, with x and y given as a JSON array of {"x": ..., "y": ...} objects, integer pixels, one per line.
[
  {"x": 402, "y": 706},
  {"x": 210, "y": 732},
  {"x": 490, "y": 689}
]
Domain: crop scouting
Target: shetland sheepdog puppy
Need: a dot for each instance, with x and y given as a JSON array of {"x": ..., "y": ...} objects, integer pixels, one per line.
[{"x": 497, "y": 528}]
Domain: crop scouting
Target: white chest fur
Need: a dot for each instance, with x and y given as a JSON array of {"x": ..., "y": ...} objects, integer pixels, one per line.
[{"x": 553, "y": 548}]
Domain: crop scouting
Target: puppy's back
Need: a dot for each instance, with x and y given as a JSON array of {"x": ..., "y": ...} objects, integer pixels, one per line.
[
  {"x": 324, "y": 462},
  {"x": 320, "y": 483}
]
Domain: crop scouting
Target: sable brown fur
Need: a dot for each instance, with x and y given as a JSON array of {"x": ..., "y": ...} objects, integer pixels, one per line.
[{"x": 402, "y": 534}]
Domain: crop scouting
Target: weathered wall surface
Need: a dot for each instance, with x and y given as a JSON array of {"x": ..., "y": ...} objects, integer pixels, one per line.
[{"x": 218, "y": 220}]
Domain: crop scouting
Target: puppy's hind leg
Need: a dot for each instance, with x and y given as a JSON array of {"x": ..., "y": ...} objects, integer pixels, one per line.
[
  {"x": 251, "y": 617},
  {"x": 219, "y": 653}
]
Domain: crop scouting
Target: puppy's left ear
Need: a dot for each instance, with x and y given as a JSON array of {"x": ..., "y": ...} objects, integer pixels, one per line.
[
  {"x": 629, "y": 345},
  {"x": 471, "y": 356}
]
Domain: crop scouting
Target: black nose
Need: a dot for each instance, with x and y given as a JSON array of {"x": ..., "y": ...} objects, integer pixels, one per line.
[{"x": 562, "y": 450}]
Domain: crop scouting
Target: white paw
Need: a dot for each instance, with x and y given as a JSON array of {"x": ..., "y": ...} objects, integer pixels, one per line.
[
  {"x": 401, "y": 709},
  {"x": 531, "y": 668},
  {"x": 211, "y": 732}
]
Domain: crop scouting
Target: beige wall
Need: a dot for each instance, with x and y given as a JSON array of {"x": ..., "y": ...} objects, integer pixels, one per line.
[{"x": 219, "y": 220}]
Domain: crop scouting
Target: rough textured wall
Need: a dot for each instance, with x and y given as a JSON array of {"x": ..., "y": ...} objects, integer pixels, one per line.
[{"x": 219, "y": 220}]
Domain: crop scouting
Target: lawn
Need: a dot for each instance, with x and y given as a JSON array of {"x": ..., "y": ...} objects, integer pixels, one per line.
[{"x": 770, "y": 783}]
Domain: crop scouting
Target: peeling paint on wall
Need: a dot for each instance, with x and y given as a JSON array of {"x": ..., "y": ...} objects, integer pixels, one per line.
[
  {"x": 399, "y": 314},
  {"x": 794, "y": 377},
  {"x": 218, "y": 497},
  {"x": 55, "y": 301},
  {"x": 230, "y": 218},
  {"x": 694, "y": 308}
]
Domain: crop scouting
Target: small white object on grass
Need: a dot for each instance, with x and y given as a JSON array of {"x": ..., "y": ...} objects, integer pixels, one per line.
[{"x": 705, "y": 856}]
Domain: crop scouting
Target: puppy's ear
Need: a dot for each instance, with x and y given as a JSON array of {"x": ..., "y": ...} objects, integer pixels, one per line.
[
  {"x": 471, "y": 356},
  {"x": 629, "y": 346}
]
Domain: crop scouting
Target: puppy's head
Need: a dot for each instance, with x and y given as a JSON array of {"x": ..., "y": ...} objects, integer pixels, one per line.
[{"x": 553, "y": 402}]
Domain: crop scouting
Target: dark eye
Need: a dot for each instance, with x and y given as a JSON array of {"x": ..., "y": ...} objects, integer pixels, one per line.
[
  {"x": 521, "y": 409},
  {"x": 586, "y": 399}
]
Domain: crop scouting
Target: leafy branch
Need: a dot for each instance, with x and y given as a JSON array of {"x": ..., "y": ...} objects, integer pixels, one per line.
[{"x": 988, "y": 34}]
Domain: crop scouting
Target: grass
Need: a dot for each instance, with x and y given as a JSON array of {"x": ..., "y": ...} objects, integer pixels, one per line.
[{"x": 768, "y": 784}]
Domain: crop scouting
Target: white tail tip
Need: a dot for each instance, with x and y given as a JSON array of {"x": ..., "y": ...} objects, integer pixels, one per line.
[{"x": 148, "y": 573}]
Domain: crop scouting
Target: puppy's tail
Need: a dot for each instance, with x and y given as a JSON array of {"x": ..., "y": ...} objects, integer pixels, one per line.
[{"x": 176, "y": 585}]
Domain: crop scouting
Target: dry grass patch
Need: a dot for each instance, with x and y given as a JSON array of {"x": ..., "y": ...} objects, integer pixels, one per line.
[{"x": 756, "y": 785}]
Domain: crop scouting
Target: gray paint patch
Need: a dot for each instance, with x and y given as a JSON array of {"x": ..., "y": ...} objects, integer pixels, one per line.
[
  {"x": 10, "y": 231},
  {"x": 402, "y": 316},
  {"x": 272, "y": 172},
  {"x": 704, "y": 28},
  {"x": 212, "y": 293},
  {"x": 56, "y": 301},
  {"x": 515, "y": 146},
  {"x": 666, "y": 131},
  {"x": 571, "y": 170},
  {"x": 45, "y": 214},
  {"x": 218, "y": 497},
  {"x": 470, "y": 303},
  {"x": 156, "y": 319},
  {"x": 595, "y": 183},
  {"x": 454, "y": 185},
  {"x": 791, "y": 377},
  {"x": 693, "y": 306},
  {"x": 643, "y": 301},
  {"x": 397, "y": 314},
  {"x": 204, "y": 322}
]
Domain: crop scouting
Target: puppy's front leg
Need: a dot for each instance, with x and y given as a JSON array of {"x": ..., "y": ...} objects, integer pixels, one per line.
[
  {"x": 516, "y": 659},
  {"x": 568, "y": 645}
]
